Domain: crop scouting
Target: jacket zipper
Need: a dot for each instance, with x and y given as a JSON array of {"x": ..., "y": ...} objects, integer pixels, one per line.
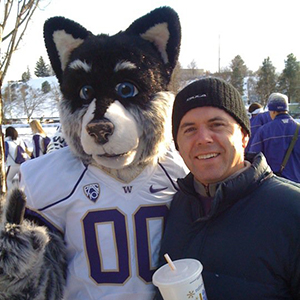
[{"x": 207, "y": 190}]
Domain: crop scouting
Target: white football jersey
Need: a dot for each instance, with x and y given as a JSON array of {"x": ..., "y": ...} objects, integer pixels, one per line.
[{"x": 112, "y": 230}]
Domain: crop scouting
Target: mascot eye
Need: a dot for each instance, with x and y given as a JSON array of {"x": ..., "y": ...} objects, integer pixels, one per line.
[
  {"x": 126, "y": 90},
  {"x": 87, "y": 93}
]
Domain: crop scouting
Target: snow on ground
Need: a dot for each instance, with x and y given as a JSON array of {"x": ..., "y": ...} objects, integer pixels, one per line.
[{"x": 36, "y": 83}]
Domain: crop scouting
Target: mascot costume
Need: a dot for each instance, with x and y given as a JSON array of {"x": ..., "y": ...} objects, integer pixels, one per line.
[{"x": 91, "y": 223}]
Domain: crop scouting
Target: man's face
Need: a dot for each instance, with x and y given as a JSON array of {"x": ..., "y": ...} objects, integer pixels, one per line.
[{"x": 211, "y": 144}]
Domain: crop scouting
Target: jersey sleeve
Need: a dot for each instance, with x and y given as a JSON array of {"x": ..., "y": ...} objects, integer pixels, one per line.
[{"x": 49, "y": 179}]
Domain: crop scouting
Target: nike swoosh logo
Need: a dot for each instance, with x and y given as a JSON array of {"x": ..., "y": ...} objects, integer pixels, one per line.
[{"x": 153, "y": 190}]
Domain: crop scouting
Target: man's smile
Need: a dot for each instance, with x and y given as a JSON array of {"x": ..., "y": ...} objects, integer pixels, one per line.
[{"x": 207, "y": 156}]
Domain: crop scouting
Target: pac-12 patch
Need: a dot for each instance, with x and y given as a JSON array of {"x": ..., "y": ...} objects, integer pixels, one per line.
[{"x": 92, "y": 191}]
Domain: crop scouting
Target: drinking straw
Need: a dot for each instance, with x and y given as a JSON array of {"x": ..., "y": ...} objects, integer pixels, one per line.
[{"x": 169, "y": 261}]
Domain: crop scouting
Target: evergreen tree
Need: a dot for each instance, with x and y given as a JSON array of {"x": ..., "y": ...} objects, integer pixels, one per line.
[
  {"x": 26, "y": 76},
  {"x": 289, "y": 80},
  {"x": 224, "y": 74},
  {"x": 266, "y": 81},
  {"x": 251, "y": 89},
  {"x": 239, "y": 72},
  {"x": 41, "y": 69},
  {"x": 46, "y": 87}
]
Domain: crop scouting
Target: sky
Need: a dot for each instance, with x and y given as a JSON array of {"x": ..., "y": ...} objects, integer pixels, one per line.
[{"x": 213, "y": 31}]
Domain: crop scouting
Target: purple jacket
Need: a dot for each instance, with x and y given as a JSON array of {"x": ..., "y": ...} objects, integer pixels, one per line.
[{"x": 273, "y": 140}]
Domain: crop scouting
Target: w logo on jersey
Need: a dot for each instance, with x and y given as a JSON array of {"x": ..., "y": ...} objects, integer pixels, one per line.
[
  {"x": 92, "y": 191},
  {"x": 127, "y": 189}
]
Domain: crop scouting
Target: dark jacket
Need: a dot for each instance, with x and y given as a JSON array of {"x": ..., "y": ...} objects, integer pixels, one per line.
[{"x": 249, "y": 243}]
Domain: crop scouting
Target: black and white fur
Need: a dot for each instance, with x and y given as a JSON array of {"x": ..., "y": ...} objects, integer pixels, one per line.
[
  {"x": 114, "y": 114},
  {"x": 115, "y": 108},
  {"x": 32, "y": 259}
]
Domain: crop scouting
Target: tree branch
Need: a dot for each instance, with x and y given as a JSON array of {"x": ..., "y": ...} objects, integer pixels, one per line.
[{"x": 25, "y": 10}]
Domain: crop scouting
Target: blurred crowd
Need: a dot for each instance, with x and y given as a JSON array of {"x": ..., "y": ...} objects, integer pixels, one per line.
[{"x": 17, "y": 151}]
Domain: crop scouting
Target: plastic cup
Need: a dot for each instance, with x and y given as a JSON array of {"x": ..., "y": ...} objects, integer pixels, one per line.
[{"x": 183, "y": 283}]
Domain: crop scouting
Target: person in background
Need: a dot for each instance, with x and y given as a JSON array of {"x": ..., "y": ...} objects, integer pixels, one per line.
[
  {"x": 40, "y": 140},
  {"x": 232, "y": 214},
  {"x": 274, "y": 138},
  {"x": 12, "y": 140},
  {"x": 259, "y": 117},
  {"x": 255, "y": 109}
]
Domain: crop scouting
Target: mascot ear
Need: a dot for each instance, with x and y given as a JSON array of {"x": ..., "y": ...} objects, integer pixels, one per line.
[
  {"x": 162, "y": 28},
  {"x": 61, "y": 37}
]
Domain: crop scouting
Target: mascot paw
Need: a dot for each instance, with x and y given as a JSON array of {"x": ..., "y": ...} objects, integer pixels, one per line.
[
  {"x": 32, "y": 260},
  {"x": 22, "y": 244},
  {"x": 21, "y": 249}
]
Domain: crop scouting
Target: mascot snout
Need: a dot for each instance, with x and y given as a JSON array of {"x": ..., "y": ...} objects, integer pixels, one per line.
[{"x": 100, "y": 130}]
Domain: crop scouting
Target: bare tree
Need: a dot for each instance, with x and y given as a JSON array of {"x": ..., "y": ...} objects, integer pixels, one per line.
[
  {"x": 31, "y": 101},
  {"x": 176, "y": 80},
  {"x": 192, "y": 66},
  {"x": 55, "y": 93},
  {"x": 15, "y": 19},
  {"x": 9, "y": 100}
]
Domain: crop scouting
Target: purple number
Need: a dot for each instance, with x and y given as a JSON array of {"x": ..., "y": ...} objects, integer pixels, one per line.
[
  {"x": 118, "y": 219},
  {"x": 101, "y": 216},
  {"x": 143, "y": 214}
]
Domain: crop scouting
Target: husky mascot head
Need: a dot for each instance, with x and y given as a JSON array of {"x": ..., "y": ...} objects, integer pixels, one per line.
[{"x": 115, "y": 106}]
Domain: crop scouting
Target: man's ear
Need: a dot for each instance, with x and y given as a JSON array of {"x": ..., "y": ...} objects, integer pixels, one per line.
[{"x": 245, "y": 138}]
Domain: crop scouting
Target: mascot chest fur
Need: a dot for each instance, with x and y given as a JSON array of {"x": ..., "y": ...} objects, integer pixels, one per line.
[{"x": 108, "y": 192}]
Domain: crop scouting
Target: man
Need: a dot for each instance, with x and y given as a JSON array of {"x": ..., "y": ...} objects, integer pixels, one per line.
[
  {"x": 233, "y": 215},
  {"x": 274, "y": 138}
]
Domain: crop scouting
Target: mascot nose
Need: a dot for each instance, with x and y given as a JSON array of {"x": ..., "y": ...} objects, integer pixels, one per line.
[{"x": 100, "y": 130}]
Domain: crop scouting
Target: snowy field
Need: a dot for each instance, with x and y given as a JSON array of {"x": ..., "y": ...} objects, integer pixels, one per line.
[{"x": 25, "y": 133}]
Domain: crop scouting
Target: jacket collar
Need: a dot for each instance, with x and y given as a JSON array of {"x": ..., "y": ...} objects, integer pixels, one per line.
[
  {"x": 283, "y": 116},
  {"x": 233, "y": 188},
  {"x": 210, "y": 190}
]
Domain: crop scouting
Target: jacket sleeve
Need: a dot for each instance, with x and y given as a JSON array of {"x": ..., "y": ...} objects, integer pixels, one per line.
[{"x": 257, "y": 142}]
